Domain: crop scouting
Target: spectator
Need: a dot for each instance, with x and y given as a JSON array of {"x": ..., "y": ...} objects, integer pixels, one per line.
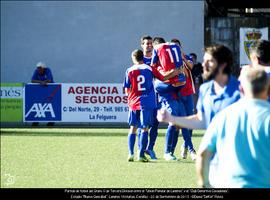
[
  {"x": 42, "y": 74},
  {"x": 196, "y": 72},
  {"x": 240, "y": 136},
  {"x": 260, "y": 56}
]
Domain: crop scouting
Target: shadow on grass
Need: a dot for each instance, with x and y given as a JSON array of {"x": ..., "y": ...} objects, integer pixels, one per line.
[
  {"x": 75, "y": 132},
  {"x": 162, "y": 161},
  {"x": 67, "y": 134}
]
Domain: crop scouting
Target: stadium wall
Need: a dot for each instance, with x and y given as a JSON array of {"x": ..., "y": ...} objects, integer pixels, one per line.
[{"x": 90, "y": 41}]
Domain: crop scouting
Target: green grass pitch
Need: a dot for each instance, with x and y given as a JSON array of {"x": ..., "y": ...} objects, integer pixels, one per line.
[{"x": 87, "y": 158}]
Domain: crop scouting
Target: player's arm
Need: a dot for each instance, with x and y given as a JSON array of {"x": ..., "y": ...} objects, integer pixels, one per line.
[
  {"x": 39, "y": 81},
  {"x": 164, "y": 76},
  {"x": 191, "y": 122},
  {"x": 202, "y": 168},
  {"x": 34, "y": 78}
]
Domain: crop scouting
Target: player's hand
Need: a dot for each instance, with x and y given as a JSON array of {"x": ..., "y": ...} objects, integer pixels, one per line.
[{"x": 164, "y": 116}]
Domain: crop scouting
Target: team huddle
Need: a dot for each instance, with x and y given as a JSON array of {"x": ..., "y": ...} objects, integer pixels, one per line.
[
  {"x": 233, "y": 111},
  {"x": 166, "y": 63}
]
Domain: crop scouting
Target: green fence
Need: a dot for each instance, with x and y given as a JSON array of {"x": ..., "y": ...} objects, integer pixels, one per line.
[{"x": 11, "y": 102}]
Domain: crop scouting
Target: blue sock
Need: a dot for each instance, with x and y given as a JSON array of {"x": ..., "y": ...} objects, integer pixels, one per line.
[
  {"x": 139, "y": 132},
  {"x": 143, "y": 142},
  {"x": 131, "y": 143},
  {"x": 187, "y": 139},
  {"x": 169, "y": 138},
  {"x": 175, "y": 140},
  {"x": 153, "y": 133}
]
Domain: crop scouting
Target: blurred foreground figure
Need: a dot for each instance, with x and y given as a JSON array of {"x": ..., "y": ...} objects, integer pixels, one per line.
[{"x": 240, "y": 137}]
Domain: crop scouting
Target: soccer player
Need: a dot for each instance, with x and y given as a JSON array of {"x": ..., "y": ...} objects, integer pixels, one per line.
[
  {"x": 147, "y": 46},
  {"x": 220, "y": 91},
  {"x": 187, "y": 107},
  {"x": 240, "y": 136},
  {"x": 167, "y": 56},
  {"x": 139, "y": 87}
]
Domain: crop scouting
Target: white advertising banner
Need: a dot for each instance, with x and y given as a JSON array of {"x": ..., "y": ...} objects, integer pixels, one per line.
[
  {"x": 102, "y": 102},
  {"x": 247, "y": 38}
]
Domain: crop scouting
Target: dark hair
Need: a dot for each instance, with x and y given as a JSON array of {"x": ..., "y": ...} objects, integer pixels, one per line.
[
  {"x": 175, "y": 40},
  {"x": 145, "y": 37},
  {"x": 138, "y": 54},
  {"x": 262, "y": 50},
  {"x": 194, "y": 55},
  {"x": 222, "y": 54},
  {"x": 158, "y": 40}
]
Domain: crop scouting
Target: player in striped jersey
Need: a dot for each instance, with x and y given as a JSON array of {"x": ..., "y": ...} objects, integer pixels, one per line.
[
  {"x": 147, "y": 46},
  {"x": 167, "y": 56},
  {"x": 186, "y": 104},
  {"x": 139, "y": 87}
]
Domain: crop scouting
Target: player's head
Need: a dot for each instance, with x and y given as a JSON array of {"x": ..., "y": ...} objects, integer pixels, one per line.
[
  {"x": 158, "y": 40},
  {"x": 41, "y": 67},
  {"x": 137, "y": 56},
  {"x": 176, "y": 41},
  {"x": 255, "y": 83},
  {"x": 194, "y": 57},
  {"x": 147, "y": 44},
  {"x": 217, "y": 59},
  {"x": 260, "y": 53}
]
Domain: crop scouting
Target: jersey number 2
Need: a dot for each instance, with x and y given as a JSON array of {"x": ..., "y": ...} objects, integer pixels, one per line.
[{"x": 141, "y": 81}]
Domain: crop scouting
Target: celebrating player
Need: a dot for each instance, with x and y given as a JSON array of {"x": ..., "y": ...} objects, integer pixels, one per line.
[
  {"x": 147, "y": 46},
  {"x": 167, "y": 56},
  {"x": 186, "y": 105},
  {"x": 139, "y": 87}
]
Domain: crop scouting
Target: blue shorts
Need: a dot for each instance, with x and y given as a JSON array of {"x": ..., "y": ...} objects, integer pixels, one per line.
[
  {"x": 167, "y": 90},
  {"x": 172, "y": 106},
  {"x": 140, "y": 118}
]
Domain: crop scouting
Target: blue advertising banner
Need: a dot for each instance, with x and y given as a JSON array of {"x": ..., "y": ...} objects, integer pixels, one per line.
[{"x": 42, "y": 103}]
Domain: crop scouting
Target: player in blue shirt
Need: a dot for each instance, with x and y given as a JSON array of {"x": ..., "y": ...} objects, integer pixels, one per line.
[
  {"x": 147, "y": 46},
  {"x": 240, "y": 136}
]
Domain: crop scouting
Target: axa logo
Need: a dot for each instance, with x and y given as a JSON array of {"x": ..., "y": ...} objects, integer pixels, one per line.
[{"x": 41, "y": 110}]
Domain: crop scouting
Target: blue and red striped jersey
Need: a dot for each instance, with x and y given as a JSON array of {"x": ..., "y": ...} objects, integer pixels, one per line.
[
  {"x": 165, "y": 57},
  {"x": 189, "y": 87},
  {"x": 139, "y": 81}
]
